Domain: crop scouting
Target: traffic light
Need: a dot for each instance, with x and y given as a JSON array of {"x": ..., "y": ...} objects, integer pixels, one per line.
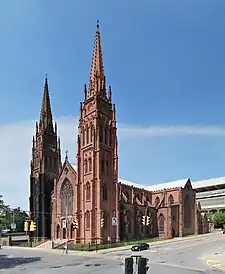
[
  {"x": 32, "y": 226},
  {"x": 142, "y": 266},
  {"x": 143, "y": 220},
  {"x": 102, "y": 222},
  {"x": 148, "y": 220},
  {"x": 75, "y": 224},
  {"x": 26, "y": 226},
  {"x": 129, "y": 265}
]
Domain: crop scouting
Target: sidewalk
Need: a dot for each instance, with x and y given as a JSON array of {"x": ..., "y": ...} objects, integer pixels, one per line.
[{"x": 115, "y": 249}]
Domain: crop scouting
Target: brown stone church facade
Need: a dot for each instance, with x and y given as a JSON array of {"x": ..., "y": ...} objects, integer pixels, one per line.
[{"x": 87, "y": 202}]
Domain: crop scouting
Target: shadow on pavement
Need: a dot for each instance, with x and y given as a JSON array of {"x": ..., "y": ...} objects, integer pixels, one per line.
[{"x": 10, "y": 261}]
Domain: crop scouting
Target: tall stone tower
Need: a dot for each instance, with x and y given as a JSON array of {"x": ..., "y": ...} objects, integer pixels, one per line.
[
  {"x": 45, "y": 166},
  {"x": 97, "y": 158}
]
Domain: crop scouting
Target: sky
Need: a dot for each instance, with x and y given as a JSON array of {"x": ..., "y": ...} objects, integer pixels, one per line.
[{"x": 165, "y": 61}]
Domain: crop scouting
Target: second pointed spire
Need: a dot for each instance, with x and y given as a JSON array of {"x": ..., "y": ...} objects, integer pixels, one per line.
[
  {"x": 97, "y": 76},
  {"x": 46, "y": 113}
]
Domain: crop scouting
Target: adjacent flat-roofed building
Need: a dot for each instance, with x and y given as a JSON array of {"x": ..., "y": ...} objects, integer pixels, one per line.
[{"x": 211, "y": 194}]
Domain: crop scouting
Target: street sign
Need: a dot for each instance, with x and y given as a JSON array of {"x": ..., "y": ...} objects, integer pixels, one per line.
[
  {"x": 64, "y": 223},
  {"x": 114, "y": 221},
  {"x": 13, "y": 226}
]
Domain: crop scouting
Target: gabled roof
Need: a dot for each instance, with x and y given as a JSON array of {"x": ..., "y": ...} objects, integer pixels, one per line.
[
  {"x": 129, "y": 183},
  {"x": 67, "y": 163},
  {"x": 209, "y": 182},
  {"x": 170, "y": 185}
]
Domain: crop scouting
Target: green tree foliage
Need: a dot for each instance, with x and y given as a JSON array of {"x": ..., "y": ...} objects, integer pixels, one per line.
[
  {"x": 218, "y": 218},
  {"x": 8, "y": 216}
]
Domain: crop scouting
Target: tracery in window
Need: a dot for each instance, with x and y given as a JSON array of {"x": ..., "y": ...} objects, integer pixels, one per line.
[
  {"x": 66, "y": 196},
  {"x": 161, "y": 223}
]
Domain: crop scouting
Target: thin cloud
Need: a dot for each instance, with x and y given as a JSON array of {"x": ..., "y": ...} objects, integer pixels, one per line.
[
  {"x": 163, "y": 131},
  {"x": 16, "y": 142}
]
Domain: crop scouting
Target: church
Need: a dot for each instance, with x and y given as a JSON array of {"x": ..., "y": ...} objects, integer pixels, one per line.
[{"x": 87, "y": 201}]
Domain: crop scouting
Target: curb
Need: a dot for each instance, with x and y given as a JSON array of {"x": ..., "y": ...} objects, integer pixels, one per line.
[
  {"x": 158, "y": 243},
  {"x": 116, "y": 249}
]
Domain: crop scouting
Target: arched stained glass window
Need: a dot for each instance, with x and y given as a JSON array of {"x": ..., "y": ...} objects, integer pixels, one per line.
[{"x": 66, "y": 195}]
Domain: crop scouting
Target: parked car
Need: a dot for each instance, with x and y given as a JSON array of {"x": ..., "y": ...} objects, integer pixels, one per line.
[{"x": 139, "y": 247}]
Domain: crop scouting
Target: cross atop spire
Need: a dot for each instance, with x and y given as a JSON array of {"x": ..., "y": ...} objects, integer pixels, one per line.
[
  {"x": 97, "y": 76},
  {"x": 46, "y": 113}
]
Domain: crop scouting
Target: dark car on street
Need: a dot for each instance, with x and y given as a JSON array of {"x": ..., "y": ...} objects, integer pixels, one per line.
[{"x": 139, "y": 247}]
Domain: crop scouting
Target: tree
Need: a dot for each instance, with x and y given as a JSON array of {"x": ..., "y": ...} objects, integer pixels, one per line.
[
  {"x": 218, "y": 218},
  {"x": 9, "y": 216},
  {"x": 3, "y": 210}
]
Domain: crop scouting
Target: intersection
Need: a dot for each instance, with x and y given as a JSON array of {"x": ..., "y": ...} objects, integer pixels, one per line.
[{"x": 185, "y": 256}]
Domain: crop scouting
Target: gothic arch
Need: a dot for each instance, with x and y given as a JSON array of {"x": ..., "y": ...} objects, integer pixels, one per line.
[
  {"x": 91, "y": 132},
  {"x": 171, "y": 199},
  {"x": 88, "y": 191},
  {"x": 87, "y": 220},
  {"x": 87, "y": 134},
  {"x": 187, "y": 211},
  {"x": 85, "y": 166},
  {"x": 137, "y": 196},
  {"x": 110, "y": 136},
  {"x": 89, "y": 164},
  {"x": 161, "y": 223},
  {"x": 83, "y": 136},
  {"x": 128, "y": 198},
  {"x": 66, "y": 196},
  {"x": 147, "y": 200},
  {"x": 157, "y": 201}
]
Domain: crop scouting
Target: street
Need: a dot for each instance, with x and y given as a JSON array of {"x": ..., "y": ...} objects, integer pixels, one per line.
[{"x": 186, "y": 256}]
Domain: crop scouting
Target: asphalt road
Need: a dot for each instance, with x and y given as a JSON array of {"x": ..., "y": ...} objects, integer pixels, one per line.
[{"x": 184, "y": 257}]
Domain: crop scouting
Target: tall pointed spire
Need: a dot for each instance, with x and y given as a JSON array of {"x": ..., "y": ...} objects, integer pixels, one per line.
[
  {"x": 97, "y": 76},
  {"x": 46, "y": 113}
]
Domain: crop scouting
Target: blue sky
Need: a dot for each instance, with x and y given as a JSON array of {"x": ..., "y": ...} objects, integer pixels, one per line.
[{"x": 165, "y": 61}]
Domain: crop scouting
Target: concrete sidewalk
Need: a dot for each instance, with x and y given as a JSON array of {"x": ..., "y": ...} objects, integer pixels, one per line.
[{"x": 115, "y": 249}]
